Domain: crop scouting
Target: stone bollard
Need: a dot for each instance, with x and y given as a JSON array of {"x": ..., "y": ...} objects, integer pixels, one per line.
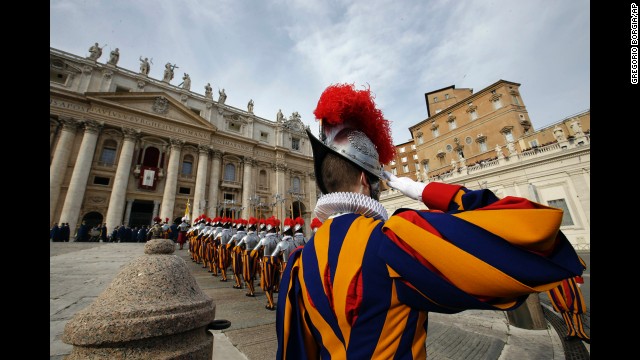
[{"x": 153, "y": 309}]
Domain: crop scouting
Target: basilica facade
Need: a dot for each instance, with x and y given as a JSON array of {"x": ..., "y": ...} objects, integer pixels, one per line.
[{"x": 125, "y": 148}]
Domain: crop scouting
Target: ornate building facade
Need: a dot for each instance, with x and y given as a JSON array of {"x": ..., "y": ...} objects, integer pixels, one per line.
[
  {"x": 486, "y": 140},
  {"x": 125, "y": 147}
]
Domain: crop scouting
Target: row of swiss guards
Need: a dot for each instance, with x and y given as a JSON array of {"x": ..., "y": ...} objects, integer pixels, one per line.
[{"x": 247, "y": 248}]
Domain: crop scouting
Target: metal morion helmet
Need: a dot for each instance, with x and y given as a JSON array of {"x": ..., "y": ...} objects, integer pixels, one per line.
[{"x": 352, "y": 127}]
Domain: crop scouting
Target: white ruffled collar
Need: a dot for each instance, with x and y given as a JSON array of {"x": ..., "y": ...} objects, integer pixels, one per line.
[{"x": 338, "y": 203}]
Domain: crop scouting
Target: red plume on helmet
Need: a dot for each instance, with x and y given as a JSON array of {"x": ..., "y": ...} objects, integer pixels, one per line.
[
  {"x": 316, "y": 223},
  {"x": 157, "y": 219},
  {"x": 343, "y": 104}
]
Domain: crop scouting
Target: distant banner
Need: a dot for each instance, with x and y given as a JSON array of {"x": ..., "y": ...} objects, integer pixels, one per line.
[{"x": 148, "y": 177}]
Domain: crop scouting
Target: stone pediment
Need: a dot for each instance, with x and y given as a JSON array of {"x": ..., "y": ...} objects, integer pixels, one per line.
[{"x": 156, "y": 104}]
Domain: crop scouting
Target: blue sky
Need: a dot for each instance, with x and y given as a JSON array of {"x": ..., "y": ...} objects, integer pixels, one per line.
[{"x": 284, "y": 53}]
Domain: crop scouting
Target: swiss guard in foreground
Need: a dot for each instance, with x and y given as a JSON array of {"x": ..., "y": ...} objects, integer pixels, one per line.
[{"x": 363, "y": 285}]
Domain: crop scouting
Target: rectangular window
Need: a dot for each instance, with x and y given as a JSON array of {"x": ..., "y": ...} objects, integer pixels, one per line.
[
  {"x": 474, "y": 115},
  {"x": 435, "y": 133},
  {"x": 533, "y": 143},
  {"x": 99, "y": 180},
  {"x": 393, "y": 162},
  {"x": 228, "y": 197},
  {"x": 452, "y": 125},
  {"x": 234, "y": 127},
  {"x": 58, "y": 77},
  {"x": 264, "y": 136},
  {"x": 404, "y": 159},
  {"x": 108, "y": 156},
  {"x": 483, "y": 146},
  {"x": 415, "y": 156},
  {"x": 196, "y": 111},
  {"x": 405, "y": 168},
  {"x": 515, "y": 99},
  {"x": 186, "y": 168},
  {"x": 402, "y": 149},
  {"x": 566, "y": 216},
  {"x": 420, "y": 140},
  {"x": 446, "y": 96},
  {"x": 435, "y": 99},
  {"x": 122, "y": 89},
  {"x": 413, "y": 146},
  {"x": 508, "y": 135},
  {"x": 184, "y": 190},
  {"x": 417, "y": 166},
  {"x": 394, "y": 171},
  {"x": 295, "y": 144}
]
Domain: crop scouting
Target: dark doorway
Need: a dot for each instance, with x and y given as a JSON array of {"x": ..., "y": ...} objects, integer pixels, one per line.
[
  {"x": 141, "y": 213},
  {"x": 92, "y": 219},
  {"x": 298, "y": 209}
]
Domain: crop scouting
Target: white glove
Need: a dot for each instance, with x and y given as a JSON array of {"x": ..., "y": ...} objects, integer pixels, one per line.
[{"x": 405, "y": 185}]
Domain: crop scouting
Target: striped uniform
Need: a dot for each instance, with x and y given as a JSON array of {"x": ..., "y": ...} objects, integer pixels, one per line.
[
  {"x": 362, "y": 288},
  {"x": 567, "y": 300}
]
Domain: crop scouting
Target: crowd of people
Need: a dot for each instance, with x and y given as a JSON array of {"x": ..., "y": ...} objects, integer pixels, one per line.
[{"x": 245, "y": 251}]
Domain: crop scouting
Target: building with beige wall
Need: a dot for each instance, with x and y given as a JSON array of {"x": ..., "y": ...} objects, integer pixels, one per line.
[
  {"x": 125, "y": 147},
  {"x": 486, "y": 140}
]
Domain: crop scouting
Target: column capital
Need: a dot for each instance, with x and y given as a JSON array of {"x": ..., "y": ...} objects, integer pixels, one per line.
[
  {"x": 312, "y": 175},
  {"x": 247, "y": 160},
  {"x": 130, "y": 133},
  {"x": 203, "y": 149},
  {"x": 280, "y": 166},
  {"x": 106, "y": 73},
  {"x": 92, "y": 126},
  {"x": 68, "y": 123},
  {"x": 217, "y": 154},
  {"x": 176, "y": 143}
]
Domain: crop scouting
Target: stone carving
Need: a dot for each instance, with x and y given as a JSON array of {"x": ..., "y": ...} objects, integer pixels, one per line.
[
  {"x": 279, "y": 116},
  {"x": 114, "y": 56},
  {"x": 186, "y": 82},
  {"x": 92, "y": 126},
  {"x": 222, "y": 96},
  {"x": 499, "y": 152},
  {"x": 204, "y": 148},
  {"x": 168, "y": 72},
  {"x": 176, "y": 143},
  {"x": 250, "y": 106},
  {"x": 558, "y": 133},
  {"x": 145, "y": 66},
  {"x": 161, "y": 105},
  {"x": 95, "y": 51},
  {"x": 208, "y": 91},
  {"x": 130, "y": 133},
  {"x": 68, "y": 123}
]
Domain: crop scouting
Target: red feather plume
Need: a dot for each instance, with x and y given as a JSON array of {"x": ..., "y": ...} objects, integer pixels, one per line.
[{"x": 342, "y": 103}]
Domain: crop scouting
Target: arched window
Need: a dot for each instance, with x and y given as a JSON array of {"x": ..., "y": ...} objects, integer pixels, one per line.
[
  {"x": 229, "y": 172},
  {"x": 187, "y": 165},
  {"x": 296, "y": 185},
  {"x": 108, "y": 155},
  {"x": 151, "y": 156},
  {"x": 262, "y": 182}
]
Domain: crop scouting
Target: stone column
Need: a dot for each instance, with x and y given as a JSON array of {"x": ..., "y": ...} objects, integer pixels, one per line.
[
  {"x": 127, "y": 212},
  {"x": 156, "y": 206},
  {"x": 246, "y": 186},
  {"x": 121, "y": 181},
  {"x": 201, "y": 181},
  {"x": 313, "y": 195},
  {"x": 53, "y": 130},
  {"x": 107, "y": 76},
  {"x": 281, "y": 169},
  {"x": 78, "y": 183},
  {"x": 169, "y": 195},
  {"x": 214, "y": 183},
  {"x": 60, "y": 160}
]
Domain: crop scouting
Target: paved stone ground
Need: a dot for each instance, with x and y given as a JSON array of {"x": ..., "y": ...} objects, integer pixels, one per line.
[{"x": 467, "y": 335}]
